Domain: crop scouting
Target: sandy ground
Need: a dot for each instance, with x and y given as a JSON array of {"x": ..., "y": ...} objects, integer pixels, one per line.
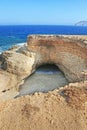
[{"x": 47, "y": 111}]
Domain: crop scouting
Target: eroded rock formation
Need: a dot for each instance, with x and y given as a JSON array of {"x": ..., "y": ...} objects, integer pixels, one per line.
[
  {"x": 62, "y": 109},
  {"x": 69, "y": 54}
]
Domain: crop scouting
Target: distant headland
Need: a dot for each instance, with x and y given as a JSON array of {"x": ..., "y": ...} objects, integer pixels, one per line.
[{"x": 81, "y": 23}]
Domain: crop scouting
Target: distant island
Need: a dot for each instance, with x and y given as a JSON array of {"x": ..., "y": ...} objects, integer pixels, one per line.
[{"x": 81, "y": 23}]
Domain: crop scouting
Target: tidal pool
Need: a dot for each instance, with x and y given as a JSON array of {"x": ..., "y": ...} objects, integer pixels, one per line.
[{"x": 46, "y": 78}]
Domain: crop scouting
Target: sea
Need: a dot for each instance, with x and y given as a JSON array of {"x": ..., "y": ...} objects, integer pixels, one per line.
[{"x": 11, "y": 35}]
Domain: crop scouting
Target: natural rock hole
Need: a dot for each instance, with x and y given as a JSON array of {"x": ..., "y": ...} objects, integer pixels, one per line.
[{"x": 46, "y": 78}]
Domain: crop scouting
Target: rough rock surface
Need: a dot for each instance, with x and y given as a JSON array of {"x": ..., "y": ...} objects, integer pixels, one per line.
[
  {"x": 16, "y": 65},
  {"x": 62, "y": 109},
  {"x": 69, "y": 55}
]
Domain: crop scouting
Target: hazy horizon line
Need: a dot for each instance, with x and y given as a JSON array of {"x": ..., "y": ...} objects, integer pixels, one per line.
[{"x": 37, "y": 24}]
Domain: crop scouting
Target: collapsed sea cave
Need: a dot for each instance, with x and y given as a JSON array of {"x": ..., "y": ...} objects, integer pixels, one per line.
[{"x": 46, "y": 78}]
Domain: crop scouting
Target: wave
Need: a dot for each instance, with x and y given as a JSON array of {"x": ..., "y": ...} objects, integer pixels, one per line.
[
  {"x": 4, "y": 48},
  {"x": 20, "y": 44},
  {"x": 1, "y": 50}
]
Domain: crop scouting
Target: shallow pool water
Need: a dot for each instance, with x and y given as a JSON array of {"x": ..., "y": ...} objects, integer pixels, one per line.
[{"x": 46, "y": 78}]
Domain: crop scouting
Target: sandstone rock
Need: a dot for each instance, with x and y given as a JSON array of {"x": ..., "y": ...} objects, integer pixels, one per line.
[
  {"x": 69, "y": 54},
  {"x": 62, "y": 109},
  {"x": 7, "y": 80},
  {"x": 8, "y": 85},
  {"x": 15, "y": 67},
  {"x": 18, "y": 64}
]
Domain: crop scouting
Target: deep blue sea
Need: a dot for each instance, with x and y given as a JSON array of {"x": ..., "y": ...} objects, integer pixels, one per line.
[{"x": 13, "y": 35}]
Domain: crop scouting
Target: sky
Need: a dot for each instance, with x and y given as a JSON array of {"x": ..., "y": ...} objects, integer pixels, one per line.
[{"x": 42, "y": 12}]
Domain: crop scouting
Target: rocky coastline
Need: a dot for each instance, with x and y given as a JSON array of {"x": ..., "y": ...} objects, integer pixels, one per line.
[{"x": 61, "y": 109}]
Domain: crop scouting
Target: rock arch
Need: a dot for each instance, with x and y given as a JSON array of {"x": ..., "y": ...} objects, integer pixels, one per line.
[{"x": 69, "y": 54}]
